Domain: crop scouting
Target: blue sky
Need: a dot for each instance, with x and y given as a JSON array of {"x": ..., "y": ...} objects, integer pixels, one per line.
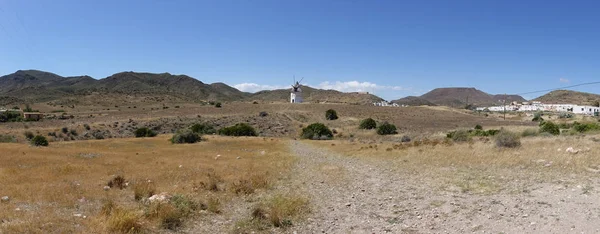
[{"x": 392, "y": 48}]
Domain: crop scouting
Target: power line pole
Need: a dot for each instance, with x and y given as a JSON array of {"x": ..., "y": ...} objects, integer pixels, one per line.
[{"x": 504, "y": 106}]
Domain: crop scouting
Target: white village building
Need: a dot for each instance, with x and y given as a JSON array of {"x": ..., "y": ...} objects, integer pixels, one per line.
[{"x": 538, "y": 106}]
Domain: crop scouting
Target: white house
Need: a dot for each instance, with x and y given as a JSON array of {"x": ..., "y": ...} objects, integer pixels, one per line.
[{"x": 586, "y": 110}]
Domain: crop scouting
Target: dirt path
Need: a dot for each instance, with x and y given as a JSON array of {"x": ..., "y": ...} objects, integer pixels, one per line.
[{"x": 351, "y": 195}]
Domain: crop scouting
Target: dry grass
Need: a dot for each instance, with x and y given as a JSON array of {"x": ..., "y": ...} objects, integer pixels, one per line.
[
  {"x": 51, "y": 187},
  {"x": 279, "y": 211},
  {"x": 479, "y": 166}
]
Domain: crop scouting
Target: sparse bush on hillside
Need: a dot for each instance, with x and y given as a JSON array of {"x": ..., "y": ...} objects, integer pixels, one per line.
[
  {"x": 218, "y": 105},
  {"x": 585, "y": 127},
  {"x": 144, "y": 132},
  {"x": 124, "y": 221},
  {"x": 549, "y": 127},
  {"x": 537, "y": 117},
  {"x": 387, "y": 129},
  {"x": 39, "y": 141},
  {"x": 506, "y": 139},
  {"x": 186, "y": 137},
  {"x": 331, "y": 114},
  {"x": 368, "y": 124},
  {"x": 279, "y": 211},
  {"x": 479, "y": 132},
  {"x": 405, "y": 138},
  {"x": 478, "y": 127},
  {"x": 565, "y": 115},
  {"x": 317, "y": 131},
  {"x": 459, "y": 136},
  {"x": 263, "y": 114},
  {"x": 7, "y": 139},
  {"x": 117, "y": 182},
  {"x": 530, "y": 132},
  {"x": 86, "y": 126},
  {"x": 203, "y": 128},
  {"x": 10, "y": 116},
  {"x": 28, "y": 135},
  {"x": 65, "y": 130},
  {"x": 240, "y": 129},
  {"x": 143, "y": 189}
]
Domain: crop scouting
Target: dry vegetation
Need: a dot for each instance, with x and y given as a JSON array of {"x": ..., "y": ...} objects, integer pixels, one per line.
[
  {"x": 480, "y": 166},
  {"x": 60, "y": 188}
]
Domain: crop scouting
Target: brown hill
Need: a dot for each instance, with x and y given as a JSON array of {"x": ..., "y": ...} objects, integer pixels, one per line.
[
  {"x": 39, "y": 86},
  {"x": 316, "y": 96},
  {"x": 413, "y": 101},
  {"x": 569, "y": 97},
  {"x": 459, "y": 97}
]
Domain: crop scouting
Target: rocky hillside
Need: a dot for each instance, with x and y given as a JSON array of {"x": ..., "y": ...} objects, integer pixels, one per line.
[
  {"x": 459, "y": 97},
  {"x": 316, "y": 95},
  {"x": 569, "y": 97},
  {"x": 39, "y": 86},
  {"x": 413, "y": 101}
]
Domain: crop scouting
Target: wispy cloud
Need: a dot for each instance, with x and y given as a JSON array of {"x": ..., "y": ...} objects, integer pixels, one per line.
[
  {"x": 564, "y": 80},
  {"x": 253, "y": 87},
  {"x": 356, "y": 86}
]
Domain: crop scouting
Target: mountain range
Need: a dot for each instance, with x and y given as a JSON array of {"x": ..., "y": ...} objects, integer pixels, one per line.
[{"x": 40, "y": 86}]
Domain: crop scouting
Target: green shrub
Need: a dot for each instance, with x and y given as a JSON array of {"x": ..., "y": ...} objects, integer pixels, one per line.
[
  {"x": 10, "y": 116},
  {"x": 218, "y": 105},
  {"x": 316, "y": 131},
  {"x": 387, "y": 129},
  {"x": 484, "y": 133},
  {"x": 530, "y": 132},
  {"x": 29, "y": 135},
  {"x": 240, "y": 129},
  {"x": 478, "y": 127},
  {"x": 7, "y": 139},
  {"x": 549, "y": 127},
  {"x": 186, "y": 137},
  {"x": 144, "y": 132},
  {"x": 368, "y": 124},
  {"x": 537, "y": 117},
  {"x": 39, "y": 141},
  {"x": 506, "y": 139},
  {"x": 585, "y": 127},
  {"x": 459, "y": 136},
  {"x": 203, "y": 128},
  {"x": 331, "y": 114}
]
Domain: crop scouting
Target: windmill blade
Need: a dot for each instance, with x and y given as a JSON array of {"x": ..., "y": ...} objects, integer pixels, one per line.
[{"x": 299, "y": 82}]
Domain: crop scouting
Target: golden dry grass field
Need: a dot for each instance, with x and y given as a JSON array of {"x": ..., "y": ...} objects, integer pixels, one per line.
[
  {"x": 359, "y": 182},
  {"x": 59, "y": 189}
]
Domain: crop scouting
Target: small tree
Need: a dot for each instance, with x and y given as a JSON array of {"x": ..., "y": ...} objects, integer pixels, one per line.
[
  {"x": 29, "y": 135},
  {"x": 39, "y": 141},
  {"x": 506, "y": 139},
  {"x": 549, "y": 127},
  {"x": 387, "y": 129},
  {"x": 186, "y": 137},
  {"x": 144, "y": 132},
  {"x": 331, "y": 114},
  {"x": 368, "y": 124},
  {"x": 317, "y": 131},
  {"x": 240, "y": 129}
]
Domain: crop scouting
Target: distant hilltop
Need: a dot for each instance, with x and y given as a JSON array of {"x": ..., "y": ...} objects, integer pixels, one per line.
[
  {"x": 458, "y": 97},
  {"x": 40, "y": 86}
]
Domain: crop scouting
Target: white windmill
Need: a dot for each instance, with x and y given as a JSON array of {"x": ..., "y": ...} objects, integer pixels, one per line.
[{"x": 296, "y": 92}]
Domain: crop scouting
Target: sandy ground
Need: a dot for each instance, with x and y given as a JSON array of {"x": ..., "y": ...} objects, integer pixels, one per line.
[{"x": 350, "y": 195}]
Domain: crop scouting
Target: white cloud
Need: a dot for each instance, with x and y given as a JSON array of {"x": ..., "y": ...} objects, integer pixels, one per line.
[
  {"x": 564, "y": 80},
  {"x": 253, "y": 87},
  {"x": 343, "y": 86},
  {"x": 356, "y": 86}
]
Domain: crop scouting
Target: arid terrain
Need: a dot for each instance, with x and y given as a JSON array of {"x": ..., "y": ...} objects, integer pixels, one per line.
[{"x": 95, "y": 177}]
